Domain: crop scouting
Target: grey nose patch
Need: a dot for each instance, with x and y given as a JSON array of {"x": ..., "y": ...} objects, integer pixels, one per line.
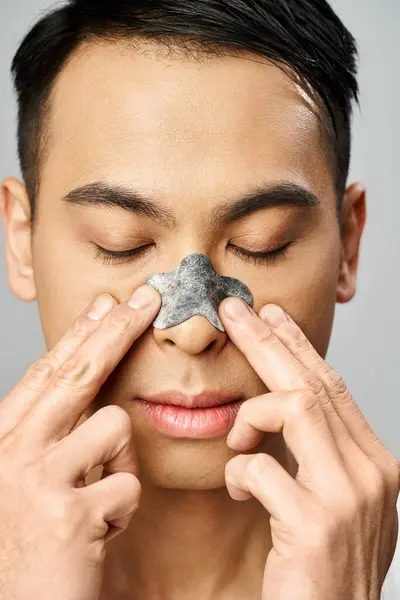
[{"x": 194, "y": 288}]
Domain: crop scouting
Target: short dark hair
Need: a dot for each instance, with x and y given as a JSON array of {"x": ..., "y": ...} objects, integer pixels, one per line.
[{"x": 304, "y": 35}]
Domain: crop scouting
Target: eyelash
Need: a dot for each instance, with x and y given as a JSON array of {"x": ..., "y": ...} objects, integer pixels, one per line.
[
  {"x": 110, "y": 256},
  {"x": 262, "y": 257}
]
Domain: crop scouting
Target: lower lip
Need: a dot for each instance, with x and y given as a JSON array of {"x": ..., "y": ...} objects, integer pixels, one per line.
[{"x": 177, "y": 421}]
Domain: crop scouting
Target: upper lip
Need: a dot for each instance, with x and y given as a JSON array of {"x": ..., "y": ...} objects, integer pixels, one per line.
[{"x": 203, "y": 400}]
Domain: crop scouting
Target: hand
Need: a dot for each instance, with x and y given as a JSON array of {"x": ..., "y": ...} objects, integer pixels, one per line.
[
  {"x": 333, "y": 525},
  {"x": 53, "y": 528}
]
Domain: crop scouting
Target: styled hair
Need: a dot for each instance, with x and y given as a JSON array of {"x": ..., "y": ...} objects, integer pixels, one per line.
[{"x": 305, "y": 36}]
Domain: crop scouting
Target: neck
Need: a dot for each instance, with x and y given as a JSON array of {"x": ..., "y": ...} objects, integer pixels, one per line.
[
  {"x": 189, "y": 545},
  {"x": 186, "y": 545}
]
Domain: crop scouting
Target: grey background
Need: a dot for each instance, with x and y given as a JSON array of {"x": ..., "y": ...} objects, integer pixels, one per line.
[{"x": 365, "y": 342}]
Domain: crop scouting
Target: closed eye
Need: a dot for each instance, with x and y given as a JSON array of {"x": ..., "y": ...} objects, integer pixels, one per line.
[
  {"x": 125, "y": 256},
  {"x": 267, "y": 257},
  {"x": 121, "y": 257}
]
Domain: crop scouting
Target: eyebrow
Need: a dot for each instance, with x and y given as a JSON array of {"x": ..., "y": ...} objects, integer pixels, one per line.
[
  {"x": 268, "y": 196},
  {"x": 116, "y": 196}
]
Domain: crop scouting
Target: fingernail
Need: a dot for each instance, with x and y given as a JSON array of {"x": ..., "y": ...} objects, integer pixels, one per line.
[
  {"x": 273, "y": 315},
  {"x": 142, "y": 298},
  {"x": 231, "y": 437},
  {"x": 236, "y": 309},
  {"x": 101, "y": 307}
]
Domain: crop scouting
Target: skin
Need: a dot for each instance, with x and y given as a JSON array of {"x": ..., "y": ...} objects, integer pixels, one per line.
[{"x": 184, "y": 132}]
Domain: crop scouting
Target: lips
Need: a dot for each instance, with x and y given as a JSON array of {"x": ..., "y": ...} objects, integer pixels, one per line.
[
  {"x": 175, "y": 414},
  {"x": 206, "y": 399}
]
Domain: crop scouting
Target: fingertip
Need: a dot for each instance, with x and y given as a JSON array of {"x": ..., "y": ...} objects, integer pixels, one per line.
[
  {"x": 235, "y": 492},
  {"x": 145, "y": 297},
  {"x": 101, "y": 306},
  {"x": 273, "y": 315}
]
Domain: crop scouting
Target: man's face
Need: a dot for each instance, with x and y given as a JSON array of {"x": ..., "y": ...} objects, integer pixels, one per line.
[{"x": 193, "y": 136}]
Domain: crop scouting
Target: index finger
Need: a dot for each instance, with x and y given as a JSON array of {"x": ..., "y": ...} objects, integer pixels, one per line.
[
  {"x": 78, "y": 380},
  {"x": 280, "y": 368},
  {"x": 19, "y": 401},
  {"x": 288, "y": 331},
  {"x": 270, "y": 358}
]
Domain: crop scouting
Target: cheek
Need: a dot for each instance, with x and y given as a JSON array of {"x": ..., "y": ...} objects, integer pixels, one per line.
[
  {"x": 306, "y": 288},
  {"x": 314, "y": 312},
  {"x": 67, "y": 280}
]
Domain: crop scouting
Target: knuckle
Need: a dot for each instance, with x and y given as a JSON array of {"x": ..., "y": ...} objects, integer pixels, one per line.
[
  {"x": 321, "y": 533},
  {"x": 385, "y": 462},
  {"x": 316, "y": 385},
  {"x": 305, "y": 379},
  {"x": 97, "y": 552},
  {"x": 300, "y": 343},
  {"x": 263, "y": 463},
  {"x": 335, "y": 382},
  {"x": 76, "y": 370},
  {"x": 232, "y": 466},
  {"x": 390, "y": 468},
  {"x": 33, "y": 480},
  {"x": 82, "y": 327},
  {"x": 66, "y": 516},
  {"x": 132, "y": 490},
  {"x": 375, "y": 482},
  {"x": 121, "y": 319},
  {"x": 39, "y": 373},
  {"x": 301, "y": 403},
  {"x": 334, "y": 524},
  {"x": 266, "y": 337},
  {"x": 117, "y": 418},
  {"x": 319, "y": 530},
  {"x": 128, "y": 489},
  {"x": 34, "y": 477},
  {"x": 350, "y": 504}
]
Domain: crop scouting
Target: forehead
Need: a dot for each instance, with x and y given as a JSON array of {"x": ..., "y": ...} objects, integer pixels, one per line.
[{"x": 149, "y": 118}]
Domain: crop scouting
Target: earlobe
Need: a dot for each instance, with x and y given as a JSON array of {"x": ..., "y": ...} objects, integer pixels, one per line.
[
  {"x": 346, "y": 287},
  {"x": 16, "y": 215},
  {"x": 353, "y": 222}
]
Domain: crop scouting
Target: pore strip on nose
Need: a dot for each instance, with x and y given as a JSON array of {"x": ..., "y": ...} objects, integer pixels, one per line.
[{"x": 194, "y": 288}]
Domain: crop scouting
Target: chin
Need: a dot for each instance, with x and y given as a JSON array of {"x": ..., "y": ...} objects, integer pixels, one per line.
[{"x": 183, "y": 464}]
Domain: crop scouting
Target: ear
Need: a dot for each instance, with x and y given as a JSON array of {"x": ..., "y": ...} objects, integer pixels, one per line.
[
  {"x": 354, "y": 213},
  {"x": 16, "y": 215}
]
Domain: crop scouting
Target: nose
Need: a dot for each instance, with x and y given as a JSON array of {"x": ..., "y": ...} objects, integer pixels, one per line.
[{"x": 193, "y": 336}]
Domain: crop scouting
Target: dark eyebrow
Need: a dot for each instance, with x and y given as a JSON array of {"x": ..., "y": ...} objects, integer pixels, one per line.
[
  {"x": 269, "y": 196},
  {"x": 116, "y": 196}
]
